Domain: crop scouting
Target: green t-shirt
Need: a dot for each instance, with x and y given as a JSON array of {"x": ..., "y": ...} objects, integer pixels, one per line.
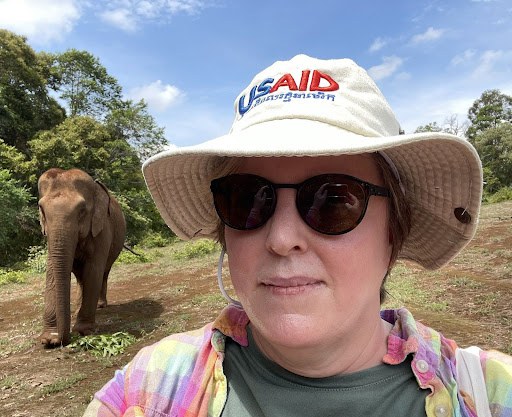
[{"x": 258, "y": 387}]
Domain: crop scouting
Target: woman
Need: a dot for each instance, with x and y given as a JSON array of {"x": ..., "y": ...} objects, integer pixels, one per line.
[{"x": 314, "y": 194}]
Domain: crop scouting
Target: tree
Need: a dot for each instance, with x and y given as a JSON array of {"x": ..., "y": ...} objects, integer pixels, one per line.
[
  {"x": 454, "y": 126},
  {"x": 489, "y": 111},
  {"x": 494, "y": 146},
  {"x": 132, "y": 122},
  {"x": 25, "y": 106},
  {"x": 451, "y": 125},
  {"x": 84, "y": 84},
  {"x": 15, "y": 162},
  {"x": 84, "y": 143},
  {"x": 429, "y": 127},
  {"x": 18, "y": 227}
]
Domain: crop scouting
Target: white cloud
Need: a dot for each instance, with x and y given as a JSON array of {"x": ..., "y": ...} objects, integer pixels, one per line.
[
  {"x": 121, "y": 18},
  {"x": 491, "y": 59},
  {"x": 147, "y": 9},
  {"x": 429, "y": 35},
  {"x": 157, "y": 95},
  {"x": 403, "y": 76},
  {"x": 389, "y": 66},
  {"x": 41, "y": 21},
  {"x": 463, "y": 57},
  {"x": 377, "y": 45},
  {"x": 129, "y": 14}
]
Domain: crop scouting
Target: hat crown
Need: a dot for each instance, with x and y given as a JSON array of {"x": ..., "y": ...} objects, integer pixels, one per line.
[{"x": 337, "y": 92}]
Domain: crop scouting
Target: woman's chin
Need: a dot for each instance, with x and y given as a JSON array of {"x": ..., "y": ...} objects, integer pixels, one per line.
[{"x": 290, "y": 330}]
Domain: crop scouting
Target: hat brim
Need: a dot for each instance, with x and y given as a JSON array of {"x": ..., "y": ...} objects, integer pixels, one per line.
[{"x": 440, "y": 173}]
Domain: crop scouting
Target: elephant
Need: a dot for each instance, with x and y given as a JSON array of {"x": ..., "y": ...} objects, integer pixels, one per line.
[{"x": 85, "y": 230}]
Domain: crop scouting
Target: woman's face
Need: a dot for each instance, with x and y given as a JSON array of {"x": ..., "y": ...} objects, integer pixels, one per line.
[{"x": 301, "y": 288}]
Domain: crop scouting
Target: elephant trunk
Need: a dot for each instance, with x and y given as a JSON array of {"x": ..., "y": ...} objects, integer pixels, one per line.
[{"x": 57, "y": 317}]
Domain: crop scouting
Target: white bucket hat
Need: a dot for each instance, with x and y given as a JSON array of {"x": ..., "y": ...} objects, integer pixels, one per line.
[{"x": 313, "y": 107}]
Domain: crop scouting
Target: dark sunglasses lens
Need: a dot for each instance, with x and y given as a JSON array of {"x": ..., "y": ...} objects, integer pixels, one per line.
[
  {"x": 243, "y": 201},
  {"x": 331, "y": 204}
]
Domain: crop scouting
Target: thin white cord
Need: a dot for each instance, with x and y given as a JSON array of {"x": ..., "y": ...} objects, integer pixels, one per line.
[{"x": 221, "y": 283}]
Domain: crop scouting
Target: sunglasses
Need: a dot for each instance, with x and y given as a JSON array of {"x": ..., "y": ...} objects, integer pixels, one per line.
[{"x": 331, "y": 204}]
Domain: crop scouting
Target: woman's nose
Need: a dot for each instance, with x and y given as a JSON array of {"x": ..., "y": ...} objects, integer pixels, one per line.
[{"x": 286, "y": 231}]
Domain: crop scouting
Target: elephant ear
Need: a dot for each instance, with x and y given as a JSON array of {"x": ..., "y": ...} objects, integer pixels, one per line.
[{"x": 101, "y": 208}]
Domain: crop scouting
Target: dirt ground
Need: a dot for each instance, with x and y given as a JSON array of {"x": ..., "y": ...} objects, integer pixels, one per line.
[{"x": 470, "y": 301}]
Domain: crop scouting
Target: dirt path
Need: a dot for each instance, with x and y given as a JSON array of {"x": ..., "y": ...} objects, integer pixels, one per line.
[{"x": 143, "y": 305}]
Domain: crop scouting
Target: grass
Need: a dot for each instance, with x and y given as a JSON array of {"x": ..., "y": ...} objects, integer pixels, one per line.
[
  {"x": 8, "y": 382},
  {"x": 12, "y": 277},
  {"x": 62, "y": 384},
  {"x": 195, "y": 249}
]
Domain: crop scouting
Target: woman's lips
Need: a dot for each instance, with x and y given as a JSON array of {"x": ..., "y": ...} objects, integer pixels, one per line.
[{"x": 291, "y": 286}]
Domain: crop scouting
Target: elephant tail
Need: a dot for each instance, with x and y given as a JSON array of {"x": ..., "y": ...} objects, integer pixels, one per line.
[{"x": 131, "y": 250}]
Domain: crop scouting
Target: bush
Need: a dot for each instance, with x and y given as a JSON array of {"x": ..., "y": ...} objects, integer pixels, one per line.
[
  {"x": 126, "y": 257},
  {"x": 196, "y": 249},
  {"x": 8, "y": 276},
  {"x": 36, "y": 261},
  {"x": 14, "y": 200},
  {"x": 503, "y": 194},
  {"x": 157, "y": 240}
]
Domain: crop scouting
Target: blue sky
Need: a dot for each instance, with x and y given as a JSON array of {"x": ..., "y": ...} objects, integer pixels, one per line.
[{"x": 189, "y": 59}]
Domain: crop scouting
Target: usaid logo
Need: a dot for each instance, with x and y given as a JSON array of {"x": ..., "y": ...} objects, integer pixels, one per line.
[{"x": 309, "y": 81}]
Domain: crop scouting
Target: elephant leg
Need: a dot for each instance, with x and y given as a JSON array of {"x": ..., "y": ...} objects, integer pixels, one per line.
[
  {"x": 79, "y": 289},
  {"x": 102, "y": 302},
  {"x": 91, "y": 288}
]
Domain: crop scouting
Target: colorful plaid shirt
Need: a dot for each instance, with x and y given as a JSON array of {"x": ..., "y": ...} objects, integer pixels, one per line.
[{"x": 182, "y": 375}]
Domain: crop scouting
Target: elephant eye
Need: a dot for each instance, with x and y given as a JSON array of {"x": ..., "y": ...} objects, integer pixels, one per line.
[{"x": 81, "y": 210}]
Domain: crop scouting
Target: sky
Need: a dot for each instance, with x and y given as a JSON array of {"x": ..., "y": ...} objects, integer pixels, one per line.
[{"x": 189, "y": 59}]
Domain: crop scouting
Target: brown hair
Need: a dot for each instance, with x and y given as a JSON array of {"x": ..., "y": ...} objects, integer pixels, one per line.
[{"x": 399, "y": 217}]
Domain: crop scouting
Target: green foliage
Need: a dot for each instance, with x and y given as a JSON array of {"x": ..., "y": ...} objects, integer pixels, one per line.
[
  {"x": 36, "y": 261},
  {"x": 84, "y": 84},
  {"x": 429, "y": 127},
  {"x": 19, "y": 222},
  {"x": 104, "y": 345},
  {"x": 489, "y": 111},
  {"x": 131, "y": 122},
  {"x": 25, "y": 105},
  {"x": 142, "y": 217},
  {"x": 8, "y": 277},
  {"x": 157, "y": 240},
  {"x": 503, "y": 194},
  {"x": 14, "y": 161},
  {"x": 494, "y": 146},
  {"x": 126, "y": 257},
  {"x": 78, "y": 142},
  {"x": 195, "y": 249}
]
